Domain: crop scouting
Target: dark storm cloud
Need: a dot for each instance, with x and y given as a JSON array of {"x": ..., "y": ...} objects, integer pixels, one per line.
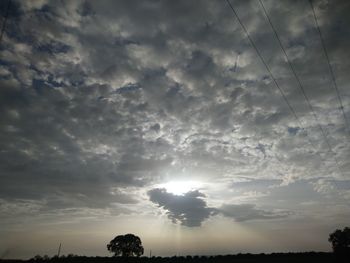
[
  {"x": 101, "y": 96},
  {"x": 189, "y": 209}
]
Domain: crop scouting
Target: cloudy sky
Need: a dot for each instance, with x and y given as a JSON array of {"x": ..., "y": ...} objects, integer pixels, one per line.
[{"x": 158, "y": 118}]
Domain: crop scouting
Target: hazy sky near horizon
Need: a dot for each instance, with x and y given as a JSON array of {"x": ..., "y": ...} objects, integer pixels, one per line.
[{"x": 158, "y": 118}]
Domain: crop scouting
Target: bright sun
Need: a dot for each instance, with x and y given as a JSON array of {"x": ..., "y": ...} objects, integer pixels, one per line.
[{"x": 180, "y": 187}]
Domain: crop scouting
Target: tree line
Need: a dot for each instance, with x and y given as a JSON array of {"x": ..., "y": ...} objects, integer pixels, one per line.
[{"x": 128, "y": 248}]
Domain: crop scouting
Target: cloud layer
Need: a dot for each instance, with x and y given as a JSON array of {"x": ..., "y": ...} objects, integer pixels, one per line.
[
  {"x": 102, "y": 101},
  {"x": 191, "y": 209}
]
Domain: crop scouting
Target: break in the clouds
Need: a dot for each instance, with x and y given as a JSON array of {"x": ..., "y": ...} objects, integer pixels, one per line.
[{"x": 103, "y": 102}]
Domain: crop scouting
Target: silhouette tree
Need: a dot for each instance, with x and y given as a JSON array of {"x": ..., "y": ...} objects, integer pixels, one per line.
[
  {"x": 126, "y": 245},
  {"x": 340, "y": 240}
]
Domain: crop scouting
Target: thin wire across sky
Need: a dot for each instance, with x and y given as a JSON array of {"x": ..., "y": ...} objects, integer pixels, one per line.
[
  {"x": 280, "y": 89},
  {"x": 330, "y": 67},
  {"x": 302, "y": 89}
]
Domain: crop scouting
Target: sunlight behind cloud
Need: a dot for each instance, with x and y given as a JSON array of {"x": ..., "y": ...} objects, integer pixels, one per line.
[
  {"x": 161, "y": 120},
  {"x": 181, "y": 187}
]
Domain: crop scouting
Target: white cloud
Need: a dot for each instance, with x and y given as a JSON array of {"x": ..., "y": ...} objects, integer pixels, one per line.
[{"x": 100, "y": 97}]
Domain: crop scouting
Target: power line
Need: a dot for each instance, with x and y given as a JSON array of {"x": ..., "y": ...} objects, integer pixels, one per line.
[
  {"x": 274, "y": 80},
  {"x": 5, "y": 20},
  {"x": 295, "y": 75},
  {"x": 59, "y": 251},
  {"x": 270, "y": 72},
  {"x": 263, "y": 61},
  {"x": 301, "y": 87},
  {"x": 330, "y": 67}
]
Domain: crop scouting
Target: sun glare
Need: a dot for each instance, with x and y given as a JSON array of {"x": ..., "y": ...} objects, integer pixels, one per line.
[{"x": 180, "y": 187}]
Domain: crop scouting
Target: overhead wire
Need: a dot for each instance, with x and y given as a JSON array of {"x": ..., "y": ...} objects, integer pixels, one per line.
[
  {"x": 335, "y": 85},
  {"x": 295, "y": 75},
  {"x": 265, "y": 64},
  {"x": 269, "y": 71},
  {"x": 271, "y": 76},
  {"x": 301, "y": 86}
]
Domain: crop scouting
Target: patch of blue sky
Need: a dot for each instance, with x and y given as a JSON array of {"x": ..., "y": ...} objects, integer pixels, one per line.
[
  {"x": 130, "y": 87},
  {"x": 293, "y": 130}
]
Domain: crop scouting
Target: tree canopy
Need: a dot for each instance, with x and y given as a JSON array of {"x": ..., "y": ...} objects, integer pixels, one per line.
[
  {"x": 126, "y": 245},
  {"x": 340, "y": 240}
]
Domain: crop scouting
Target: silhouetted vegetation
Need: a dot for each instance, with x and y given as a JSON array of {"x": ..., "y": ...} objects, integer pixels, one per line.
[
  {"x": 130, "y": 245},
  {"x": 126, "y": 246},
  {"x": 320, "y": 257},
  {"x": 340, "y": 240}
]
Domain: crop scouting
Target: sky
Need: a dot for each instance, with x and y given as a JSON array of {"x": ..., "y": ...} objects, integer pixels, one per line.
[{"x": 158, "y": 118}]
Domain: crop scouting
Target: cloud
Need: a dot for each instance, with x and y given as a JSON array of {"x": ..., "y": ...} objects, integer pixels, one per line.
[
  {"x": 245, "y": 212},
  {"x": 104, "y": 95},
  {"x": 189, "y": 209},
  {"x": 324, "y": 186}
]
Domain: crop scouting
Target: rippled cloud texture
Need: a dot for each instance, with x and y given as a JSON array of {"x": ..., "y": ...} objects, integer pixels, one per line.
[{"x": 103, "y": 101}]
